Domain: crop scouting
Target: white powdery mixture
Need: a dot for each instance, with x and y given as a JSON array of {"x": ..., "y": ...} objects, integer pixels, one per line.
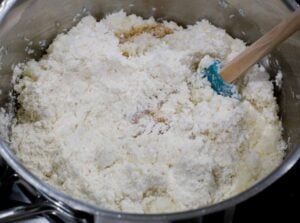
[{"x": 116, "y": 115}]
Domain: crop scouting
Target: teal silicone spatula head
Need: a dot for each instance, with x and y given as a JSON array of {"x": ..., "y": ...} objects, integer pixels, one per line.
[{"x": 217, "y": 83}]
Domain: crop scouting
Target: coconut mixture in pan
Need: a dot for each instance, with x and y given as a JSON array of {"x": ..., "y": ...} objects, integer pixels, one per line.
[{"x": 116, "y": 114}]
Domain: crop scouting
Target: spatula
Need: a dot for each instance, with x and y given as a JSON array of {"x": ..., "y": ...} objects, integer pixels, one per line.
[{"x": 220, "y": 78}]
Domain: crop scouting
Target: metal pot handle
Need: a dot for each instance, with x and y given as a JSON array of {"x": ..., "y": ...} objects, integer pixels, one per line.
[
  {"x": 39, "y": 205},
  {"x": 292, "y": 4},
  {"x": 28, "y": 212},
  {"x": 41, "y": 208}
]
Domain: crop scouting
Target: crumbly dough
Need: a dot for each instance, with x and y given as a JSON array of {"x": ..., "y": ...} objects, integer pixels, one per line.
[{"x": 115, "y": 114}]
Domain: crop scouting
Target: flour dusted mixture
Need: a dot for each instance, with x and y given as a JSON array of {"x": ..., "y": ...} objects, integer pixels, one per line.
[{"x": 117, "y": 114}]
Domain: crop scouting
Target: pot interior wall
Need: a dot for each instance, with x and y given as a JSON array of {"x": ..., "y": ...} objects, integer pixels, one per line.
[{"x": 30, "y": 21}]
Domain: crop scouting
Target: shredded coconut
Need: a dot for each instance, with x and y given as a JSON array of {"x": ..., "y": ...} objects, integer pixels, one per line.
[
  {"x": 278, "y": 79},
  {"x": 115, "y": 114},
  {"x": 5, "y": 123}
]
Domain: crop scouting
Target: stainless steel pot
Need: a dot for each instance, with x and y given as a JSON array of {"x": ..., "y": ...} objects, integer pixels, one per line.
[{"x": 37, "y": 20}]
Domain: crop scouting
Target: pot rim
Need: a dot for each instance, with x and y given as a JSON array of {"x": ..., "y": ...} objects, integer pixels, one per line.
[
  {"x": 7, "y": 154},
  {"x": 63, "y": 199}
]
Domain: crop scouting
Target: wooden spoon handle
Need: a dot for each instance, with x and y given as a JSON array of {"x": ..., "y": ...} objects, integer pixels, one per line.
[{"x": 261, "y": 47}]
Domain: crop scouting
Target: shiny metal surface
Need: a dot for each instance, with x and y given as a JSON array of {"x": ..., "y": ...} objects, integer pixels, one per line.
[
  {"x": 35, "y": 20},
  {"x": 292, "y": 4}
]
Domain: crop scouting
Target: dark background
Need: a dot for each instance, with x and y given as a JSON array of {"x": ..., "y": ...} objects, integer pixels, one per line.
[{"x": 278, "y": 203}]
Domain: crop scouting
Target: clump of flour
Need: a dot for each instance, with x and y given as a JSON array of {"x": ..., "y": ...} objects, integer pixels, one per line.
[{"x": 116, "y": 115}]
